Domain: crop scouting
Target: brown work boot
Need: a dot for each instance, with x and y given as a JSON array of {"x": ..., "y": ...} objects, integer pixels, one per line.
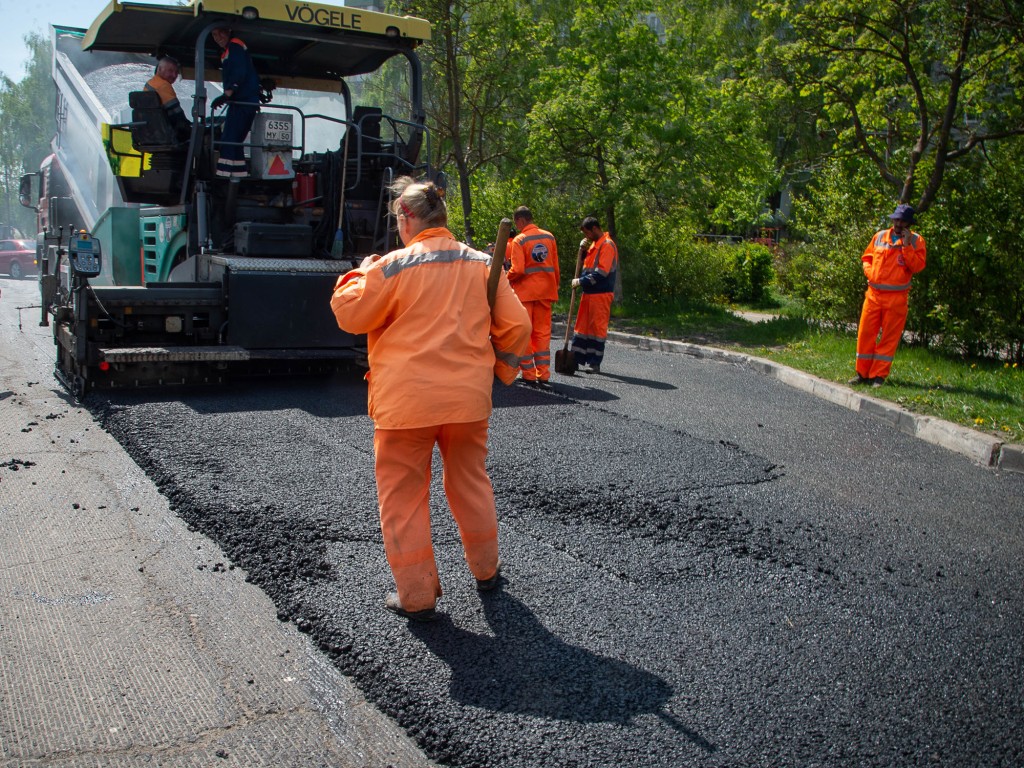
[{"x": 858, "y": 379}]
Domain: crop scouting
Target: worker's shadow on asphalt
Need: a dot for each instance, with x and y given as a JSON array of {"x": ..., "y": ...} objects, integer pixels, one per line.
[
  {"x": 525, "y": 669},
  {"x": 584, "y": 387},
  {"x": 633, "y": 380}
]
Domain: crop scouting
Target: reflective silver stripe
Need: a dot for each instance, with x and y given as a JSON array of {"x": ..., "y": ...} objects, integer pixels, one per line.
[
  {"x": 531, "y": 238},
  {"x": 886, "y": 358},
  {"x": 884, "y": 287},
  {"x": 883, "y": 242},
  {"x": 530, "y": 270},
  {"x": 512, "y": 361},
  {"x": 433, "y": 257}
]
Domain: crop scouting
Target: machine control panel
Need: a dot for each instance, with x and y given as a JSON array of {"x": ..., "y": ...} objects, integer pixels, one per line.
[{"x": 84, "y": 255}]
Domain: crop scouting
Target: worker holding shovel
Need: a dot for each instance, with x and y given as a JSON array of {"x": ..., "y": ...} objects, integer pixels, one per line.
[
  {"x": 435, "y": 344},
  {"x": 597, "y": 282}
]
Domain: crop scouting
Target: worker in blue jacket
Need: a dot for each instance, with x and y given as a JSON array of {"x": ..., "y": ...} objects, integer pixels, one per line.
[{"x": 242, "y": 95}]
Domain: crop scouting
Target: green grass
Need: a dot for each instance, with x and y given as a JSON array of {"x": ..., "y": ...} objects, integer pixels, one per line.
[{"x": 983, "y": 394}]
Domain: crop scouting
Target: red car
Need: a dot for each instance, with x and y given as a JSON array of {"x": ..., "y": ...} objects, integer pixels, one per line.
[{"x": 18, "y": 258}]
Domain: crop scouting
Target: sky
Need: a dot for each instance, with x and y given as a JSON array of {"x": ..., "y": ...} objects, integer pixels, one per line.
[{"x": 19, "y": 17}]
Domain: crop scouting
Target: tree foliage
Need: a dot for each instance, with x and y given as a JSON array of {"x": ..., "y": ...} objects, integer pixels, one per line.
[
  {"x": 911, "y": 86},
  {"x": 26, "y": 126},
  {"x": 672, "y": 120}
]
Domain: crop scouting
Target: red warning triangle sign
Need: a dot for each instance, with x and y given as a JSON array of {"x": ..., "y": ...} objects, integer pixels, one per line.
[{"x": 277, "y": 167}]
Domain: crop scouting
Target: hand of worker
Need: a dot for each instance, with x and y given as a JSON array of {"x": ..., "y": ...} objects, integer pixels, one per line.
[
  {"x": 219, "y": 102},
  {"x": 575, "y": 282},
  {"x": 584, "y": 244}
]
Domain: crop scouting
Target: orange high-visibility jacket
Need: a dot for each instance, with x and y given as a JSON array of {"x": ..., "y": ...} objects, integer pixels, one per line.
[
  {"x": 434, "y": 344},
  {"x": 888, "y": 265},
  {"x": 168, "y": 98},
  {"x": 600, "y": 265},
  {"x": 534, "y": 270}
]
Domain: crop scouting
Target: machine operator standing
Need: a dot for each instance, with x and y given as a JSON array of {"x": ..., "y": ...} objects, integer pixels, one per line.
[
  {"x": 242, "y": 95},
  {"x": 434, "y": 348}
]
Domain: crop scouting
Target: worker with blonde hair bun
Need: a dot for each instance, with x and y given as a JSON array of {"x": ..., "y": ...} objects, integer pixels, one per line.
[{"x": 434, "y": 348}]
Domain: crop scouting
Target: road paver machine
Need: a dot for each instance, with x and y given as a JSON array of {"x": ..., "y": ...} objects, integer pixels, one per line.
[{"x": 156, "y": 270}]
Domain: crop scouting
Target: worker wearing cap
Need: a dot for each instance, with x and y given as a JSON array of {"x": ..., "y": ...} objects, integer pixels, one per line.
[
  {"x": 533, "y": 274},
  {"x": 162, "y": 82},
  {"x": 434, "y": 348},
  {"x": 597, "y": 281},
  {"x": 242, "y": 95},
  {"x": 892, "y": 256}
]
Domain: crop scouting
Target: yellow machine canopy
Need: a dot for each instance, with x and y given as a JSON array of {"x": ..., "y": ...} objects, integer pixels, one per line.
[{"x": 289, "y": 41}]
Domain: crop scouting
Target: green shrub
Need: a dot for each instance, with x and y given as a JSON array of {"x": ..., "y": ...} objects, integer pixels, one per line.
[
  {"x": 671, "y": 267},
  {"x": 749, "y": 272}
]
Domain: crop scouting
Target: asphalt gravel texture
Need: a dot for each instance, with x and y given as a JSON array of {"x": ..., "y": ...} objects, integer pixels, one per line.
[{"x": 700, "y": 567}]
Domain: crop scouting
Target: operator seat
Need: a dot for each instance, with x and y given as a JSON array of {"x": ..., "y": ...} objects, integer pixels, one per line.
[{"x": 154, "y": 135}]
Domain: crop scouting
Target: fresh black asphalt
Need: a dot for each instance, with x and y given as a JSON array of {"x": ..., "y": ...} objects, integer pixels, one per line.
[{"x": 703, "y": 567}]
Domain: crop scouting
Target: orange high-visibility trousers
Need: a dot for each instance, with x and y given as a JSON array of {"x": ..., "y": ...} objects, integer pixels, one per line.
[
  {"x": 591, "y": 329},
  {"x": 536, "y": 364},
  {"x": 402, "y": 467},
  {"x": 885, "y": 312}
]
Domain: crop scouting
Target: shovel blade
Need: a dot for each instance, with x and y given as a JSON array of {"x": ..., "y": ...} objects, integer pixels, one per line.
[{"x": 565, "y": 362}]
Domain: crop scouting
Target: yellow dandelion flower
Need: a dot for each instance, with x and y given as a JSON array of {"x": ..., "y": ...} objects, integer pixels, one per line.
[{"x": 979, "y": 421}]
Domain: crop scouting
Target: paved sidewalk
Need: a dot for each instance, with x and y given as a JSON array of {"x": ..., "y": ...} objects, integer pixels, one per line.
[{"x": 126, "y": 639}]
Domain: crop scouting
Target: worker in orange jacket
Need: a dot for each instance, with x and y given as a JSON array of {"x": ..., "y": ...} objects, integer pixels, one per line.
[
  {"x": 162, "y": 81},
  {"x": 597, "y": 281},
  {"x": 533, "y": 274},
  {"x": 434, "y": 348},
  {"x": 892, "y": 256}
]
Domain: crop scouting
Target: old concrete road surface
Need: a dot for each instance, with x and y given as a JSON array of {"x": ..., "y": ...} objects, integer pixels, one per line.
[
  {"x": 703, "y": 567},
  {"x": 126, "y": 639}
]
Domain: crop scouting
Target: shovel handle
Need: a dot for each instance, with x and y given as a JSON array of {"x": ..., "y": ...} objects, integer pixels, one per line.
[
  {"x": 572, "y": 298},
  {"x": 497, "y": 261}
]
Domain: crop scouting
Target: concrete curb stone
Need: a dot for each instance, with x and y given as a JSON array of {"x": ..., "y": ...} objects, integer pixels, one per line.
[{"x": 984, "y": 449}]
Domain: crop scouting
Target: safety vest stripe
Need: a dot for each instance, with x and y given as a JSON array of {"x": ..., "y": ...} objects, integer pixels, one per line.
[
  {"x": 432, "y": 257},
  {"x": 887, "y": 287},
  {"x": 883, "y": 242},
  {"x": 531, "y": 270},
  {"x": 614, "y": 266},
  {"x": 886, "y": 358},
  {"x": 533, "y": 238},
  {"x": 509, "y": 359}
]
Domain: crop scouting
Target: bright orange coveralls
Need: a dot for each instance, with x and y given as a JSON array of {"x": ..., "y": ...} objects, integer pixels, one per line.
[
  {"x": 534, "y": 277},
  {"x": 888, "y": 262},
  {"x": 434, "y": 349},
  {"x": 597, "y": 281}
]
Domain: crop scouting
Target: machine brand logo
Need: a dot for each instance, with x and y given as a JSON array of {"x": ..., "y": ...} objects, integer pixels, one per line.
[{"x": 324, "y": 17}]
